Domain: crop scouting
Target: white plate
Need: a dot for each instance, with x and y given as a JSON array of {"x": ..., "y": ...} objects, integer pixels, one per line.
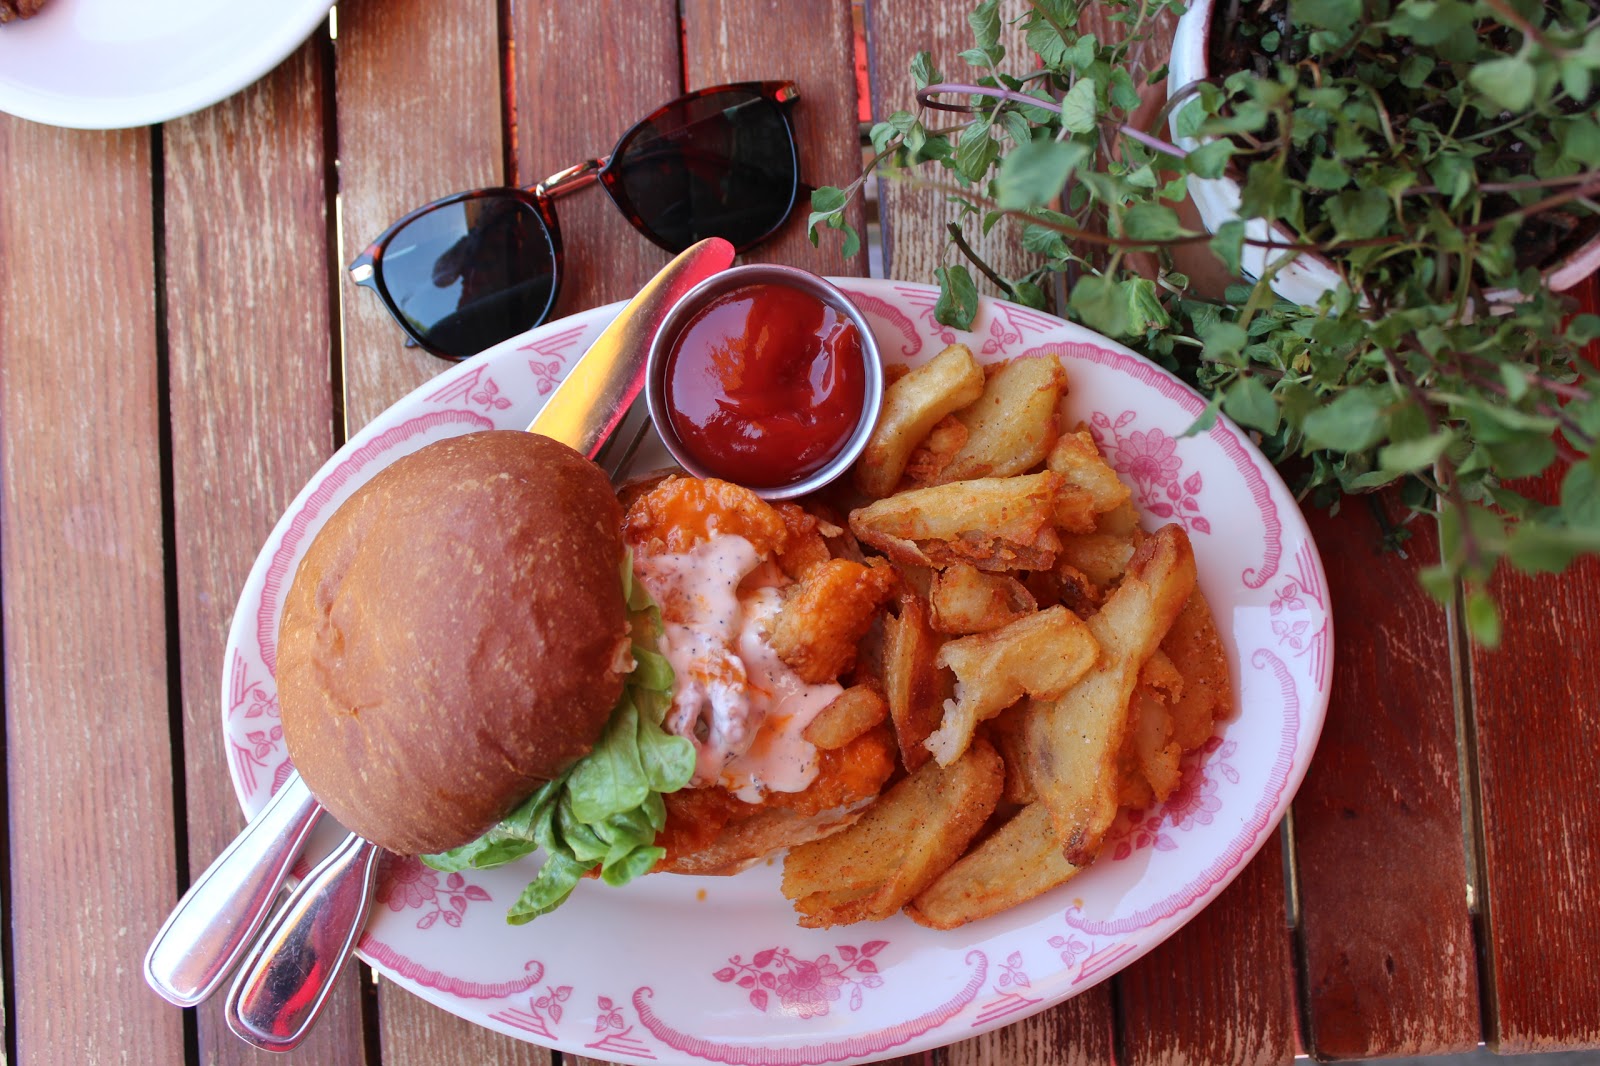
[
  {"x": 110, "y": 64},
  {"x": 678, "y": 969}
]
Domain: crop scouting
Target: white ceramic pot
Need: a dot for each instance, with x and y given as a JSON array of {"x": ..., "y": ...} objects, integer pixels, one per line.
[{"x": 1307, "y": 276}]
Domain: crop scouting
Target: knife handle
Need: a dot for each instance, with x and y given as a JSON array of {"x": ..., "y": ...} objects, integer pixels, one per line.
[{"x": 211, "y": 927}]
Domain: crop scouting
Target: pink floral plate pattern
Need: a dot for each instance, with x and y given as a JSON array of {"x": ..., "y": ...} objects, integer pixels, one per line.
[{"x": 685, "y": 970}]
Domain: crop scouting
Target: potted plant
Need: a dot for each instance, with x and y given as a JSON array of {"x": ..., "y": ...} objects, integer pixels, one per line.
[{"x": 1413, "y": 368}]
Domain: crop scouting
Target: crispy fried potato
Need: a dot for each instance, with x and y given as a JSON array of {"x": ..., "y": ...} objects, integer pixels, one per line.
[
  {"x": 1077, "y": 459},
  {"x": 1012, "y": 426},
  {"x": 1040, "y": 655},
  {"x": 912, "y": 683},
  {"x": 992, "y": 523},
  {"x": 911, "y": 406},
  {"x": 942, "y": 443},
  {"x": 1073, "y": 743},
  {"x": 898, "y": 846},
  {"x": 1196, "y": 652},
  {"x": 967, "y": 600},
  {"x": 1122, "y": 521},
  {"x": 1074, "y": 510},
  {"x": 1021, "y": 860},
  {"x": 1150, "y": 731},
  {"x": 1004, "y": 731},
  {"x": 852, "y": 712},
  {"x": 826, "y": 614},
  {"x": 1101, "y": 557}
]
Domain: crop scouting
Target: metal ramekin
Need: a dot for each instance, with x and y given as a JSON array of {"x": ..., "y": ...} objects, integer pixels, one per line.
[{"x": 764, "y": 274}]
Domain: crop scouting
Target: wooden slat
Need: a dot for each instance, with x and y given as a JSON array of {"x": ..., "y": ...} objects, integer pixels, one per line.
[
  {"x": 914, "y": 219},
  {"x": 251, "y": 343},
  {"x": 1378, "y": 832},
  {"x": 1536, "y": 705},
  {"x": 1221, "y": 989},
  {"x": 419, "y": 118},
  {"x": 574, "y": 99},
  {"x": 813, "y": 44},
  {"x": 89, "y": 758},
  {"x": 1075, "y": 1033}
]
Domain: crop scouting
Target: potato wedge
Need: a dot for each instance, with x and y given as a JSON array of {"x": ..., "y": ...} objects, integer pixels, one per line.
[
  {"x": 1150, "y": 730},
  {"x": 826, "y": 614},
  {"x": 991, "y": 523},
  {"x": 852, "y": 712},
  {"x": 1196, "y": 651},
  {"x": 898, "y": 846},
  {"x": 1101, "y": 557},
  {"x": 1040, "y": 655},
  {"x": 1076, "y": 458},
  {"x": 1012, "y": 426},
  {"x": 911, "y": 406},
  {"x": 1073, "y": 743},
  {"x": 1021, "y": 860},
  {"x": 913, "y": 685},
  {"x": 1004, "y": 731},
  {"x": 930, "y": 458},
  {"x": 967, "y": 600}
]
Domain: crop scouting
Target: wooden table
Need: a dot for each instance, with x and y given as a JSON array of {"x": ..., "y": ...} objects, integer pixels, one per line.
[{"x": 180, "y": 351}]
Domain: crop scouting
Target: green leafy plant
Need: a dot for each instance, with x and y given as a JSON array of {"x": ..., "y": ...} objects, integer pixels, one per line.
[{"x": 1436, "y": 153}]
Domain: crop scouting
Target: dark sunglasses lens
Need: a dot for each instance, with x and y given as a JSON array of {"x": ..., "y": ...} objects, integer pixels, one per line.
[
  {"x": 469, "y": 274},
  {"x": 715, "y": 166}
]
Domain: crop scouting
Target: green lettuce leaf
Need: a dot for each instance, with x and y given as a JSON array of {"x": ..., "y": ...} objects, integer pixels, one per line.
[{"x": 606, "y": 810}]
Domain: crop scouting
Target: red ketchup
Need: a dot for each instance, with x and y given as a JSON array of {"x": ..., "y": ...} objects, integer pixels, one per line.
[{"x": 765, "y": 385}]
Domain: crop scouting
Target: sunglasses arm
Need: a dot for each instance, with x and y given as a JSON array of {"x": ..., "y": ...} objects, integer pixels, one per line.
[{"x": 571, "y": 179}]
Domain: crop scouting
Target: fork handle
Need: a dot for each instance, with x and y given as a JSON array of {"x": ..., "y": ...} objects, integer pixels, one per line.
[{"x": 211, "y": 927}]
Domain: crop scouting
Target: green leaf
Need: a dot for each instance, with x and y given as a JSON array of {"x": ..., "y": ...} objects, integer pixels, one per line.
[
  {"x": 1328, "y": 174},
  {"x": 1415, "y": 70},
  {"x": 1122, "y": 91},
  {"x": 1249, "y": 402},
  {"x": 1098, "y": 302},
  {"x": 1228, "y": 243},
  {"x": 923, "y": 72},
  {"x": 958, "y": 297},
  {"x": 1544, "y": 549},
  {"x": 1033, "y": 174},
  {"x": 826, "y": 200},
  {"x": 1210, "y": 159},
  {"x": 1352, "y": 422},
  {"x": 1326, "y": 14},
  {"x": 1416, "y": 454},
  {"x": 1151, "y": 222},
  {"x": 975, "y": 152},
  {"x": 1078, "y": 111},
  {"x": 1223, "y": 342},
  {"x": 1508, "y": 81},
  {"x": 1483, "y": 618},
  {"x": 1047, "y": 43},
  {"x": 1359, "y": 213},
  {"x": 1580, "y": 494},
  {"x": 985, "y": 23}
]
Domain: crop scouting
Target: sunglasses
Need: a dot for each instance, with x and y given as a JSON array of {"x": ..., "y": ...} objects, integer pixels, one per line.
[{"x": 464, "y": 273}]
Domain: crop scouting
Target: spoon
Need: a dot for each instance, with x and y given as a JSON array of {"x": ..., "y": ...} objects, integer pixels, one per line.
[{"x": 285, "y": 981}]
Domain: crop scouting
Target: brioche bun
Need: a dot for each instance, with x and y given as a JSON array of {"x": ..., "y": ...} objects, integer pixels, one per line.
[{"x": 455, "y": 637}]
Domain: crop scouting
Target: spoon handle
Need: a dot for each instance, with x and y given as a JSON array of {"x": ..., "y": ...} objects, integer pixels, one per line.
[
  {"x": 211, "y": 927},
  {"x": 287, "y": 977}
]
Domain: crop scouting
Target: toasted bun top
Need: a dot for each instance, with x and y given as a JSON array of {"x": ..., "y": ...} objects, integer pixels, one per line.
[{"x": 455, "y": 637}]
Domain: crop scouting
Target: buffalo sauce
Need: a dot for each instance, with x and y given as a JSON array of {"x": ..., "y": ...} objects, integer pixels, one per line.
[{"x": 765, "y": 385}]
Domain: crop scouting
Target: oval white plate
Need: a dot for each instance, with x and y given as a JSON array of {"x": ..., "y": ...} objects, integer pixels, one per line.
[
  {"x": 677, "y": 969},
  {"x": 111, "y": 64}
]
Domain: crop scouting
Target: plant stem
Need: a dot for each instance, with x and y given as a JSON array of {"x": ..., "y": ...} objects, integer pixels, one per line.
[{"x": 960, "y": 241}]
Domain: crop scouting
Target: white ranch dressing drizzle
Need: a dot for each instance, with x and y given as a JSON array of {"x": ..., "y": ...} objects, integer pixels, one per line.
[{"x": 741, "y": 706}]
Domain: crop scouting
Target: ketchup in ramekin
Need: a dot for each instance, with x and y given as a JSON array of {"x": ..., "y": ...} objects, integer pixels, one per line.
[{"x": 766, "y": 379}]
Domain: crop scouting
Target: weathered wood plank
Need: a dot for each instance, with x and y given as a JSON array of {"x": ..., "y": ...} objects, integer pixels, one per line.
[
  {"x": 252, "y": 410},
  {"x": 1222, "y": 988},
  {"x": 1536, "y": 705},
  {"x": 1378, "y": 833},
  {"x": 88, "y": 751},
  {"x": 813, "y": 44},
  {"x": 580, "y": 82},
  {"x": 420, "y": 116}
]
